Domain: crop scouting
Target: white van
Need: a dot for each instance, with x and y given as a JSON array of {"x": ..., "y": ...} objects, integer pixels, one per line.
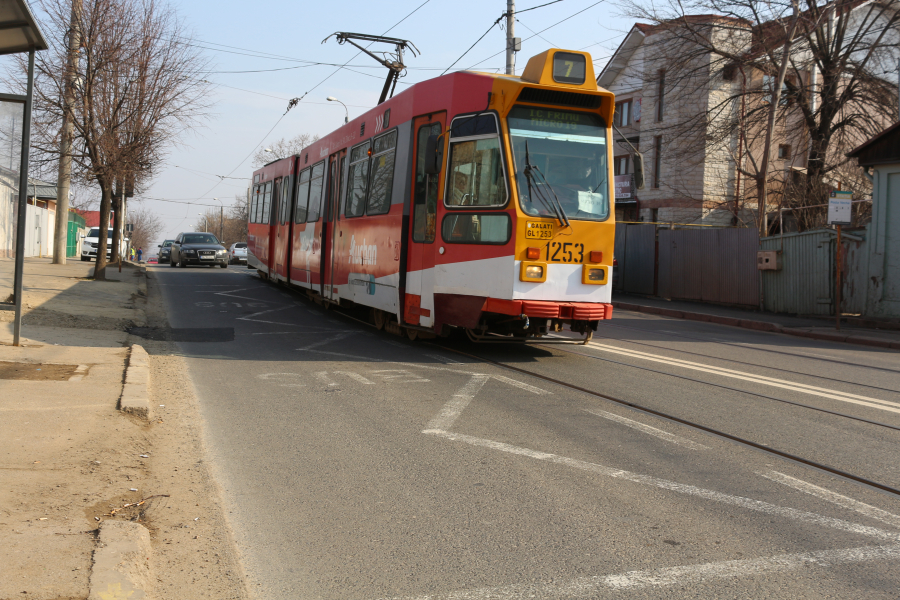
[{"x": 90, "y": 243}]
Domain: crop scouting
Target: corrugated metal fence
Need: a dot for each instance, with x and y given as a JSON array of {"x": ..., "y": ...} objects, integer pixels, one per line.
[
  {"x": 707, "y": 265},
  {"x": 805, "y": 282}
]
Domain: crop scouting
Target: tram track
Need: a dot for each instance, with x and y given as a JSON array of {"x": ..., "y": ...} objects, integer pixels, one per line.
[
  {"x": 751, "y": 364},
  {"x": 691, "y": 424},
  {"x": 673, "y": 418},
  {"x": 769, "y": 350}
]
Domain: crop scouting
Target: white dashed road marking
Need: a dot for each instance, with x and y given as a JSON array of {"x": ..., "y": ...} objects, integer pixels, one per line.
[
  {"x": 589, "y": 587},
  {"x": 843, "y": 501}
]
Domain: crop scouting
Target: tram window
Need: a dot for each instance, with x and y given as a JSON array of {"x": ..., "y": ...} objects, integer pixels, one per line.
[
  {"x": 426, "y": 191},
  {"x": 468, "y": 228},
  {"x": 469, "y": 125},
  {"x": 381, "y": 174},
  {"x": 356, "y": 190},
  {"x": 254, "y": 200},
  {"x": 476, "y": 174},
  {"x": 276, "y": 200},
  {"x": 266, "y": 213},
  {"x": 302, "y": 195},
  {"x": 285, "y": 199},
  {"x": 315, "y": 192}
]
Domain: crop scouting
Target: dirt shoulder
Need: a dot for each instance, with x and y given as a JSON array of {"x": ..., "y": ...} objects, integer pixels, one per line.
[{"x": 194, "y": 555}]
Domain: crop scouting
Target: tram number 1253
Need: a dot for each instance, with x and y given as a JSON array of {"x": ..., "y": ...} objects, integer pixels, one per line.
[{"x": 567, "y": 252}]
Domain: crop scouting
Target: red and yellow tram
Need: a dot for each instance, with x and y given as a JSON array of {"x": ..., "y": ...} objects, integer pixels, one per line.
[{"x": 472, "y": 200}]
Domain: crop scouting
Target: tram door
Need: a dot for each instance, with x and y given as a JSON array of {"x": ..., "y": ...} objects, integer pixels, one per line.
[
  {"x": 283, "y": 228},
  {"x": 418, "y": 303},
  {"x": 273, "y": 222},
  {"x": 331, "y": 225}
]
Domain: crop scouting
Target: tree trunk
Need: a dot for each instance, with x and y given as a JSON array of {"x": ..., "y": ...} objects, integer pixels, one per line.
[
  {"x": 116, "y": 256},
  {"x": 762, "y": 184},
  {"x": 105, "y": 201}
]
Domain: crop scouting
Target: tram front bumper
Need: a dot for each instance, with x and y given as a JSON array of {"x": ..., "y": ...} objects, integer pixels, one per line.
[{"x": 542, "y": 309}]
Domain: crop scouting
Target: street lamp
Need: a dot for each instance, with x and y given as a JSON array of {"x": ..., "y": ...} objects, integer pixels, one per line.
[
  {"x": 221, "y": 220},
  {"x": 346, "y": 112}
]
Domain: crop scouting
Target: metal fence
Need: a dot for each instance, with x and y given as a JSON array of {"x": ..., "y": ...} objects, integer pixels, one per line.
[
  {"x": 706, "y": 265},
  {"x": 805, "y": 282},
  {"x": 636, "y": 254}
]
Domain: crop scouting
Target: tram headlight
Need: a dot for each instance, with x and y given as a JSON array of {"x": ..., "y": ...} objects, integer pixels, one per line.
[
  {"x": 594, "y": 275},
  {"x": 533, "y": 272}
]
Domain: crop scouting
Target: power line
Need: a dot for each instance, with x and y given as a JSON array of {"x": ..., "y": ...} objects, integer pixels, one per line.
[
  {"x": 296, "y": 101},
  {"x": 476, "y": 43},
  {"x": 541, "y": 31}
]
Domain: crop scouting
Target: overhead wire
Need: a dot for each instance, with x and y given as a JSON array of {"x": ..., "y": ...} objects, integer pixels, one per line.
[
  {"x": 300, "y": 99},
  {"x": 541, "y": 31}
]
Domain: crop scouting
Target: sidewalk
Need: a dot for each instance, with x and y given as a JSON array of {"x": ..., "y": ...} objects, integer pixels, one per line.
[
  {"x": 71, "y": 458},
  {"x": 66, "y": 453},
  {"x": 808, "y": 327}
]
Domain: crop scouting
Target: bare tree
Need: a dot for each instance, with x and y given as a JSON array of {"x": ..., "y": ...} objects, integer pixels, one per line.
[
  {"x": 283, "y": 148},
  {"x": 232, "y": 223},
  {"x": 812, "y": 73},
  {"x": 140, "y": 85},
  {"x": 147, "y": 227}
]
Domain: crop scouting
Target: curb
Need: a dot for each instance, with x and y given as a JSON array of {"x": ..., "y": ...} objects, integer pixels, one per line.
[
  {"x": 759, "y": 326},
  {"x": 135, "y": 398},
  {"x": 121, "y": 566}
]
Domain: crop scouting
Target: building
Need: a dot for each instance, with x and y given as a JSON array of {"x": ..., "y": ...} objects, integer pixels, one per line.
[
  {"x": 881, "y": 154},
  {"x": 695, "y": 116}
]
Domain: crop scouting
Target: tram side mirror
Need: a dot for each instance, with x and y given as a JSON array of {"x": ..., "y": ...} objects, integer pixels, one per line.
[
  {"x": 638, "y": 170},
  {"x": 432, "y": 155}
]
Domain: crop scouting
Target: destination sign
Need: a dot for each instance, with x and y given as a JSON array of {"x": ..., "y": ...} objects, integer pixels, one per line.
[{"x": 563, "y": 121}]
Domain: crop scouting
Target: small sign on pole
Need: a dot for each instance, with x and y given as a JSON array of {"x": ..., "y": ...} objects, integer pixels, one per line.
[
  {"x": 840, "y": 208},
  {"x": 840, "y": 212}
]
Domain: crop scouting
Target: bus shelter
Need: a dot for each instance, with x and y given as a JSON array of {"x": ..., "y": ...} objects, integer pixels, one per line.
[{"x": 20, "y": 33}]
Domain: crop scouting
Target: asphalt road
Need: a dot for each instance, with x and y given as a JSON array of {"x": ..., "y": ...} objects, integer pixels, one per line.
[{"x": 357, "y": 465}]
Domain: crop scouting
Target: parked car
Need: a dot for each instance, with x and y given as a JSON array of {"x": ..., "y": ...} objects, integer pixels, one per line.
[
  {"x": 90, "y": 243},
  {"x": 197, "y": 248},
  {"x": 152, "y": 261},
  {"x": 237, "y": 253},
  {"x": 164, "y": 250}
]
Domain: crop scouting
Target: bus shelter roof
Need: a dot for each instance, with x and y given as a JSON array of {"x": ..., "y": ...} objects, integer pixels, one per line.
[{"x": 19, "y": 32}]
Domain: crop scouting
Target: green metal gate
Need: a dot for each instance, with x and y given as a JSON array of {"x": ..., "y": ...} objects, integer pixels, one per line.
[{"x": 75, "y": 225}]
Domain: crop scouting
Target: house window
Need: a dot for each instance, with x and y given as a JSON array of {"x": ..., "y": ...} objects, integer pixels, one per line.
[
  {"x": 784, "y": 151},
  {"x": 657, "y": 160},
  {"x": 661, "y": 95},
  {"x": 620, "y": 166},
  {"x": 728, "y": 72},
  {"x": 622, "y": 116},
  {"x": 768, "y": 89}
]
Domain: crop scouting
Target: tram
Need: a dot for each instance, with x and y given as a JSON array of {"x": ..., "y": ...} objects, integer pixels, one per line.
[{"x": 471, "y": 201}]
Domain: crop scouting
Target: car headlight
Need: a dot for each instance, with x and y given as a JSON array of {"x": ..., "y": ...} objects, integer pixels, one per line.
[
  {"x": 220, "y": 252},
  {"x": 188, "y": 251}
]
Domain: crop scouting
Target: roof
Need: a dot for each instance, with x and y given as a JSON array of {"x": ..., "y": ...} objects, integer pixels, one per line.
[
  {"x": 92, "y": 217},
  {"x": 19, "y": 32},
  {"x": 623, "y": 54},
  {"x": 41, "y": 189},
  {"x": 882, "y": 149}
]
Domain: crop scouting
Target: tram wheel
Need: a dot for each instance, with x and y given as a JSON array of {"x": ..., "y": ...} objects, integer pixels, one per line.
[{"x": 379, "y": 318}]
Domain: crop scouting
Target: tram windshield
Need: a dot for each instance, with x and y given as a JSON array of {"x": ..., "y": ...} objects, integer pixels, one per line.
[{"x": 567, "y": 155}]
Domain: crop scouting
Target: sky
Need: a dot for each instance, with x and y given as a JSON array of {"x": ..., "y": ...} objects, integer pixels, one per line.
[{"x": 266, "y": 35}]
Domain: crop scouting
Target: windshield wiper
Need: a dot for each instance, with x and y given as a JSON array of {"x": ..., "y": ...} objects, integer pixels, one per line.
[{"x": 554, "y": 207}]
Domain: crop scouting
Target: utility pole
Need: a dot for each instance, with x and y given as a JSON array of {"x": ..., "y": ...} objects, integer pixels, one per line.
[
  {"x": 65, "y": 145},
  {"x": 512, "y": 43}
]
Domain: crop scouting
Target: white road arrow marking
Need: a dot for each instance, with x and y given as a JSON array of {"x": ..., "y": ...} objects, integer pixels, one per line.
[{"x": 663, "y": 435}]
